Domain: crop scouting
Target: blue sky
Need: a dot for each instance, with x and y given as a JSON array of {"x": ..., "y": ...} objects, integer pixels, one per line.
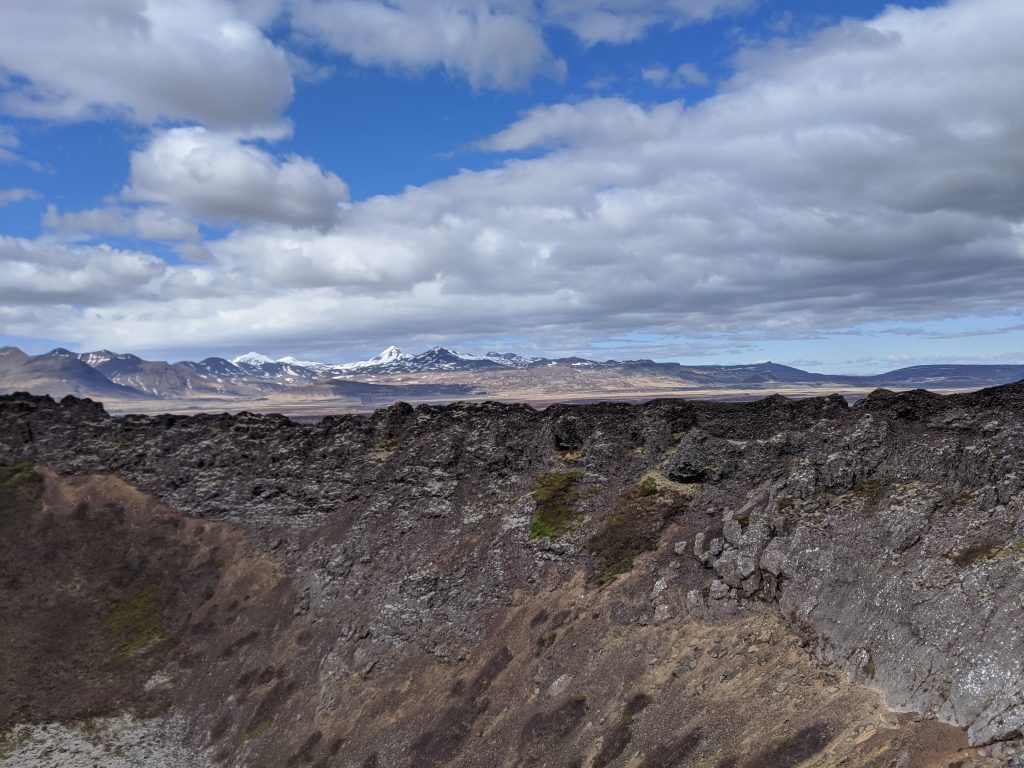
[{"x": 696, "y": 180}]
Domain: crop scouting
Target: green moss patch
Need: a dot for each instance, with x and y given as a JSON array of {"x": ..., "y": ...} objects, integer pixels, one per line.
[
  {"x": 648, "y": 487},
  {"x": 968, "y": 556},
  {"x": 254, "y": 730},
  {"x": 555, "y": 495},
  {"x": 1001, "y": 553},
  {"x": 871, "y": 492},
  {"x": 134, "y": 621},
  {"x": 633, "y": 528},
  {"x": 547, "y": 639},
  {"x": 21, "y": 491}
]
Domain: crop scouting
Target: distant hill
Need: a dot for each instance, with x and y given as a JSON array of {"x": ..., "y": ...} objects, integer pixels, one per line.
[
  {"x": 949, "y": 376},
  {"x": 440, "y": 373},
  {"x": 58, "y": 373}
]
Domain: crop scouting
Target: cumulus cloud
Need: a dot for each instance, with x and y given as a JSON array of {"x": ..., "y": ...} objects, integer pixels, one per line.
[
  {"x": 47, "y": 272},
  {"x": 196, "y": 60},
  {"x": 187, "y": 176},
  {"x": 214, "y": 176},
  {"x": 859, "y": 175},
  {"x": 144, "y": 223},
  {"x": 597, "y": 121},
  {"x": 210, "y": 61},
  {"x": 491, "y": 44}
]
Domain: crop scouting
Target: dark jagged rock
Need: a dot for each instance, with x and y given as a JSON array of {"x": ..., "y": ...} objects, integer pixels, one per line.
[{"x": 889, "y": 535}]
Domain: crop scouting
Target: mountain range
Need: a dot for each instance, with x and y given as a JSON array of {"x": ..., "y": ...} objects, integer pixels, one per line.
[{"x": 437, "y": 373}]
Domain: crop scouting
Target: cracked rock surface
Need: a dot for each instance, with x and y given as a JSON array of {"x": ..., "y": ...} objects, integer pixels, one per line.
[{"x": 367, "y": 590}]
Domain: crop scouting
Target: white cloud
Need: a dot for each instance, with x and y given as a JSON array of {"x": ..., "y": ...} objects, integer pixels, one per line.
[
  {"x": 157, "y": 224},
  {"x": 210, "y": 62},
  {"x": 601, "y": 82},
  {"x": 494, "y": 45},
  {"x": 689, "y": 73},
  {"x": 491, "y": 43},
  {"x": 145, "y": 223},
  {"x": 622, "y": 21},
  {"x": 212, "y": 176},
  {"x": 16, "y": 195},
  {"x": 656, "y": 75},
  {"x": 597, "y": 121},
  {"x": 10, "y": 144},
  {"x": 197, "y": 60},
  {"x": 862, "y": 175},
  {"x": 47, "y": 272},
  {"x": 682, "y": 76},
  {"x": 187, "y": 176}
]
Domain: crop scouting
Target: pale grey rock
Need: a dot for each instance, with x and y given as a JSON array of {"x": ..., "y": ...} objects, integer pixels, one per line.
[
  {"x": 698, "y": 546},
  {"x": 719, "y": 590},
  {"x": 773, "y": 558}
]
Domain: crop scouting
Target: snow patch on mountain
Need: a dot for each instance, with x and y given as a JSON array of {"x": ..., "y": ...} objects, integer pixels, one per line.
[
  {"x": 444, "y": 351},
  {"x": 252, "y": 358},
  {"x": 289, "y": 360},
  {"x": 387, "y": 358},
  {"x": 393, "y": 360},
  {"x": 512, "y": 360}
]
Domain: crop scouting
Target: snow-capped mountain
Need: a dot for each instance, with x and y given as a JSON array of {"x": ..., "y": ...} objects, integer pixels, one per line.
[
  {"x": 389, "y": 358},
  {"x": 106, "y": 357},
  {"x": 256, "y": 359},
  {"x": 283, "y": 371},
  {"x": 214, "y": 366},
  {"x": 512, "y": 360},
  {"x": 115, "y": 376},
  {"x": 388, "y": 361},
  {"x": 394, "y": 360},
  {"x": 252, "y": 358}
]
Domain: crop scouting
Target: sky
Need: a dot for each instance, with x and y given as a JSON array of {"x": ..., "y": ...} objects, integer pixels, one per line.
[{"x": 706, "y": 181}]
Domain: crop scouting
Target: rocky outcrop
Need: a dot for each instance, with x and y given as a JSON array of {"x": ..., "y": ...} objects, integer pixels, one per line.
[
  {"x": 888, "y": 536},
  {"x": 897, "y": 535}
]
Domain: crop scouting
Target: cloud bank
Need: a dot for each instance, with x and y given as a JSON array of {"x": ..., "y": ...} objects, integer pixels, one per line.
[{"x": 860, "y": 174}]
